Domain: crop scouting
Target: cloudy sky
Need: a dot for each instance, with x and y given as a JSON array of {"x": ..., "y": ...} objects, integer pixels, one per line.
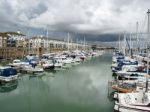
[{"x": 78, "y": 16}]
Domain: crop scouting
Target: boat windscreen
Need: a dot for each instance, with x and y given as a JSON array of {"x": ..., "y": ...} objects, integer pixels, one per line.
[{"x": 8, "y": 72}]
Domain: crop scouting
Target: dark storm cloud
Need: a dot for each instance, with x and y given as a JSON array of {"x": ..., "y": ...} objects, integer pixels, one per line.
[
  {"x": 36, "y": 11},
  {"x": 80, "y": 16},
  {"x": 6, "y": 13}
]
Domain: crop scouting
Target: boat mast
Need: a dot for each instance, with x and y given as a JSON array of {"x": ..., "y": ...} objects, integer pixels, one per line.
[
  {"x": 68, "y": 41},
  {"x": 71, "y": 44},
  {"x": 77, "y": 43},
  {"x": 124, "y": 50},
  {"x": 119, "y": 42},
  {"x": 84, "y": 43},
  {"x": 47, "y": 39},
  {"x": 148, "y": 35},
  {"x": 130, "y": 45},
  {"x": 28, "y": 41},
  {"x": 137, "y": 26}
]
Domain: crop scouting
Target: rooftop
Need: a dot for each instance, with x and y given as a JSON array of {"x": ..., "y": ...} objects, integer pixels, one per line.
[{"x": 7, "y": 34}]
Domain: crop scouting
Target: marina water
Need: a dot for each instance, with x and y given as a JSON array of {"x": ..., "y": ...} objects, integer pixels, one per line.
[{"x": 81, "y": 88}]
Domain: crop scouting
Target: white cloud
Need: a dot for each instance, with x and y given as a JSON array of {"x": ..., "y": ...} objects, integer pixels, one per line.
[{"x": 94, "y": 16}]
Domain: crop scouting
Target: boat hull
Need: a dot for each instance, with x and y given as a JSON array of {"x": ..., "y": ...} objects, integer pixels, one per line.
[{"x": 8, "y": 79}]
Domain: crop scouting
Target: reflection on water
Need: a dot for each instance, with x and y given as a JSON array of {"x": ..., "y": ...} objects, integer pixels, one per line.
[
  {"x": 51, "y": 71},
  {"x": 7, "y": 87},
  {"x": 111, "y": 96},
  {"x": 81, "y": 88}
]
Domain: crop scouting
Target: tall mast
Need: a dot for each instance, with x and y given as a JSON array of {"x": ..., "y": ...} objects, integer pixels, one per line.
[
  {"x": 119, "y": 42},
  {"x": 148, "y": 30},
  {"x": 130, "y": 46},
  {"x": 124, "y": 51},
  {"x": 84, "y": 43},
  {"x": 71, "y": 43},
  {"x": 77, "y": 43},
  {"x": 47, "y": 38},
  {"x": 137, "y": 25},
  {"x": 28, "y": 41},
  {"x": 68, "y": 41}
]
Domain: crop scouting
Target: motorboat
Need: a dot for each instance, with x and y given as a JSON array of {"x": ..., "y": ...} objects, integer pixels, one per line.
[
  {"x": 48, "y": 64},
  {"x": 67, "y": 60},
  {"x": 31, "y": 69},
  {"x": 77, "y": 59},
  {"x": 18, "y": 63},
  {"x": 58, "y": 62},
  {"x": 8, "y": 74}
]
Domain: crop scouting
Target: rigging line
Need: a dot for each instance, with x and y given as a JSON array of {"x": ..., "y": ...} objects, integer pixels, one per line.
[
  {"x": 143, "y": 25},
  {"x": 142, "y": 28}
]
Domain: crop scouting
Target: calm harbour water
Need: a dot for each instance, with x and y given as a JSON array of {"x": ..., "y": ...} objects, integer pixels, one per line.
[{"x": 82, "y": 88}]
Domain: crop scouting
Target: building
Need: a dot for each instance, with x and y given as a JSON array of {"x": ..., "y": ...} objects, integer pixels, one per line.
[
  {"x": 12, "y": 39},
  {"x": 16, "y": 45}
]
